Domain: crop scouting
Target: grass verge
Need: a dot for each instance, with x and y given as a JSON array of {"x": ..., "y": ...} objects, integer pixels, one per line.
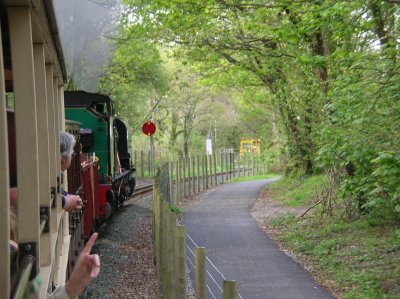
[
  {"x": 354, "y": 259},
  {"x": 254, "y": 177}
]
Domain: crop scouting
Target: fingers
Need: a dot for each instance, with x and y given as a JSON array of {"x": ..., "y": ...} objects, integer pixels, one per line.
[
  {"x": 89, "y": 244},
  {"x": 95, "y": 265},
  {"x": 73, "y": 203},
  {"x": 95, "y": 272},
  {"x": 78, "y": 203},
  {"x": 92, "y": 263}
]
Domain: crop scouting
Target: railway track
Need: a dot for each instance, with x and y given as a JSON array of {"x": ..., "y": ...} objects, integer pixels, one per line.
[{"x": 142, "y": 189}]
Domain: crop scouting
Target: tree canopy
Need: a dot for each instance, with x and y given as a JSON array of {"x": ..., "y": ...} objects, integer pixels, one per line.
[{"x": 320, "y": 77}]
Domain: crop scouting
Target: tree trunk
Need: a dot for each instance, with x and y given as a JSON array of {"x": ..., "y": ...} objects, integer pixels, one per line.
[
  {"x": 383, "y": 16},
  {"x": 174, "y": 132}
]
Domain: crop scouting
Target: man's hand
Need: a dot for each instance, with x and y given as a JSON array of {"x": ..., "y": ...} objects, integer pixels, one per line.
[
  {"x": 87, "y": 267},
  {"x": 73, "y": 203}
]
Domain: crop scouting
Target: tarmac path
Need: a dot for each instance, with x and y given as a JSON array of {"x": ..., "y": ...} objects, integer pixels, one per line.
[{"x": 237, "y": 249}]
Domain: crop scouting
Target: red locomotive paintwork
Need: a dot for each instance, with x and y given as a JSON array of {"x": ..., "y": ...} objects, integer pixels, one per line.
[
  {"x": 103, "y": 199},
  {"x": 90, "y": 185}
]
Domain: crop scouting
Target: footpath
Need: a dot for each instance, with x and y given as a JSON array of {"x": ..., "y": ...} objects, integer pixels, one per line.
[{"x": 237, "y": 249}]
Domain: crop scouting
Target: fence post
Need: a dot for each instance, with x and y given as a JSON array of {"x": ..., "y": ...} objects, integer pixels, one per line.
[
  {"x": 181, "y": 180},
  {"x": 171, "y": 223},
  {"x": 203, "y": 158},
  {"x": 142, "y": 163},
  {"x": 200, "y": 272},
  {"x": 240, "y": 165},
  {"x": 184, "y": 177},
  {"x": 227, "y": 166},
  {"x": 170, "y": 180},
  {"x": 198, "y": 173},
  {"x": 206, "y": 165},
  {"x": 215, "y": 168},
  {"x": 158, "y": 238},
  {"x": 180, "y": 243},
  {"x": 189, "y": 177},
  {"x": 222, "y": 167},
  {"x": 149, "y": 164},
  {"x": 178, "y": 181},
  {"x": 163, "y": 248},
  {"x": 230, "y": 289},
  {"x": 233, "y": 165},
  {"x": 194, "y": 177},
  {"x": 212, "y": 170}
]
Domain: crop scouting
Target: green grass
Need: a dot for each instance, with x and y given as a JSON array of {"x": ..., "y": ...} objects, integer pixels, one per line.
[
  {"x": 253, "y": 178},
  {"x": 175, "y": 209},
  {"x": 296, "y": 192},
  {"x": 355, "y": 258}
]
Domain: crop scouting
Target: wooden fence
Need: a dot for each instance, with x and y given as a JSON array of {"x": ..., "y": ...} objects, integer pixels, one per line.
[
  {"x": 169, "y": 237},
  {"x": 231, "y": 164}
]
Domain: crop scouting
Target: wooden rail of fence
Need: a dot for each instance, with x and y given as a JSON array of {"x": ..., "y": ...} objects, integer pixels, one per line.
[
  {"x": 231, "y": 164},
  {"x": 198, "y": 173}
]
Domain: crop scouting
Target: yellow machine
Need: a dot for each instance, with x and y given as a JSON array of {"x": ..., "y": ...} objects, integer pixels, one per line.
[{"x": 250, "y": 146}]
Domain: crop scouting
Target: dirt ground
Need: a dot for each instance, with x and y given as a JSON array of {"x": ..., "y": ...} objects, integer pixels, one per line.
[{"x": 265, "y": 209}]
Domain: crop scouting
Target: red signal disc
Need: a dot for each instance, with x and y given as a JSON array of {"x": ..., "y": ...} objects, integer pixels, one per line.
[{"x": 149, "y": 128}]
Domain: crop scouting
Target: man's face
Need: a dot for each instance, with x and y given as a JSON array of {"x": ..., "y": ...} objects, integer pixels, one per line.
[{"x": 65, "y": 162}]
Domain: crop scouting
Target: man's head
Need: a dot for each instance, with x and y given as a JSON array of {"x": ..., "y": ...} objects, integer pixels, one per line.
[{"x": 67, "y": 143}]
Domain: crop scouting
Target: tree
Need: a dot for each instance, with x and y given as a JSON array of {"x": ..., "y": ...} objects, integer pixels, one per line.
[
  {"x": 135, "y": 79},
  {"x": 189, "y": 105},
  {"x": 330, "y": 69}
]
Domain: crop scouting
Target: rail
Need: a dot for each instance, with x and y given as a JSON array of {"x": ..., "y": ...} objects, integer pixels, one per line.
[
  {"x": 26, "y": 267},
  {"x": 142, "y": 189},
  {"x": 27, "y": 263}
]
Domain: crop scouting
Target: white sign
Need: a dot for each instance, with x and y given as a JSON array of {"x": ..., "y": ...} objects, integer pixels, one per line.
[{"x": 208, "y": 146}]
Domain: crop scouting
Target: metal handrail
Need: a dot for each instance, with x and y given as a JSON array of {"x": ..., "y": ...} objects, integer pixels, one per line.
[
  {"x": 43, "y": 221},
  {"x": 26, "y": 267}
]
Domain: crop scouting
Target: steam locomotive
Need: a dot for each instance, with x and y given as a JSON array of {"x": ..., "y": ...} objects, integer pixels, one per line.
[{"x": 105, "y": 138}]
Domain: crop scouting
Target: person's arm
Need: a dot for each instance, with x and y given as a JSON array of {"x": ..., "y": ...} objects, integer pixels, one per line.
[{"x": 87, "y": 267}]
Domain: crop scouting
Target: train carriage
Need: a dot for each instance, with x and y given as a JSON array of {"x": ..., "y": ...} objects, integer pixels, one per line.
[
  {"x": 32, "y": 75},
  {"x": 32, "y": 113}
]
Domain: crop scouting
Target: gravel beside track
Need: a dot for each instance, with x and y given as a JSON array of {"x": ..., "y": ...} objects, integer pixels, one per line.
[{"x": 126, "y": 254}]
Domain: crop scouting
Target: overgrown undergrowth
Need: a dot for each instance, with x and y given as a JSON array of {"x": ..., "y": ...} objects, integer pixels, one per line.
[{"x": 354, "y": 258}]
